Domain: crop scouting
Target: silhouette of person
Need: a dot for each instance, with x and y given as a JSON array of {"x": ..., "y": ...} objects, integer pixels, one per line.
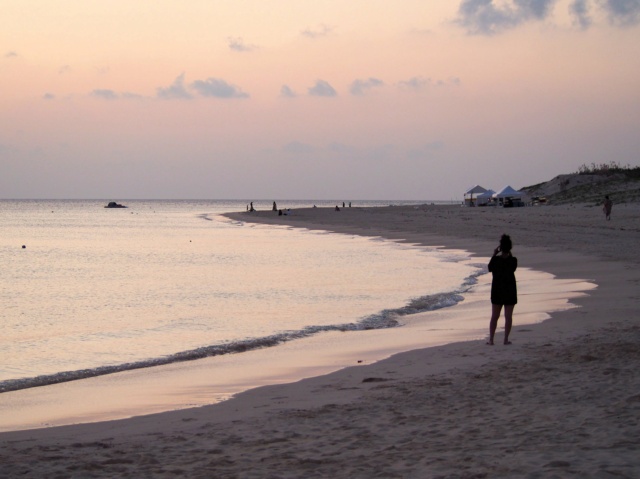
[
  {"x": 606, "y": 207},
  {"x": 503, "y": 287}
]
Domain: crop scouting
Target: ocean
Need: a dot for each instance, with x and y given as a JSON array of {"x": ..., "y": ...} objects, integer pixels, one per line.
[{"x": 87, "y": 291}]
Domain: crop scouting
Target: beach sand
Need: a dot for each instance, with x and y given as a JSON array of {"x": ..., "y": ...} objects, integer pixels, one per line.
[{"x": 562, "y": 401}]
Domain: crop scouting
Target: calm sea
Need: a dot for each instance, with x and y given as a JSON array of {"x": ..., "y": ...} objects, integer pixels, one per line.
[{"x": 87, "y": 290}]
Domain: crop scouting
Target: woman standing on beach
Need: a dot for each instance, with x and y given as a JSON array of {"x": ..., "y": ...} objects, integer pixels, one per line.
[{"x": 503, "y": 287}]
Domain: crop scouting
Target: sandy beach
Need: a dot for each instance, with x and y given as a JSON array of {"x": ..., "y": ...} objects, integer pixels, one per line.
[{"x": 562, "y": 401}]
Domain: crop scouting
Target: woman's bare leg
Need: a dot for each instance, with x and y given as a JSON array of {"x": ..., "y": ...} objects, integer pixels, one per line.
[
  {"x": 508, "y": 321},
  {"x": 493, "y": 324}
]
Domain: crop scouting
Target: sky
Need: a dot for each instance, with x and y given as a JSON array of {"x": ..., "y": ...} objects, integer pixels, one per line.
[{"x": 301, "y": 99}]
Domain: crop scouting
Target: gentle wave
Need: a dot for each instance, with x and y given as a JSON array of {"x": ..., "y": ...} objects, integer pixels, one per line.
[{"x": 384, "y": 319}]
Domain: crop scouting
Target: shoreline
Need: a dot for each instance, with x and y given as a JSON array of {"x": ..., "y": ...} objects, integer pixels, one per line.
[
  {"x": 451, "y": 409},
  {"x": 207, "y": 381}
]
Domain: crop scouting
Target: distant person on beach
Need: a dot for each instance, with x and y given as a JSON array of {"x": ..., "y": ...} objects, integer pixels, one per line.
[
  {"x": 606, "y": 207},
  {"x": 251, "y": 208},
  {"x": 337, "y": 208},
  {"x": 503, "y": 287},
  {"x": 274, "y": 207}
]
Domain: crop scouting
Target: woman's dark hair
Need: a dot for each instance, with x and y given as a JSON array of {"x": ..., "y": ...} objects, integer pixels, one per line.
[{"x": 505, "y": 244}]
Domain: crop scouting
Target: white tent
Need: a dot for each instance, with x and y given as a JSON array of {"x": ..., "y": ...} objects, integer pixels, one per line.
[
  {"x": 507, "y": 192},
  {"x": 472, "y": 193},
  {"x": 507, "y": 196},
  {"x": 484, "y": 198}
]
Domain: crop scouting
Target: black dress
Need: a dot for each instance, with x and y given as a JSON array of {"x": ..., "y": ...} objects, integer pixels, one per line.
[{"x": 503, "y": 286}]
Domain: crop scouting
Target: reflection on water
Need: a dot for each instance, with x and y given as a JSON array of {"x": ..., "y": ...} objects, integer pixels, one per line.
[{"x": 95, "y": 287}]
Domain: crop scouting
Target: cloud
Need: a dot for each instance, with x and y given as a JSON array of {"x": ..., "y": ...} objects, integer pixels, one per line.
[
  {"x": 484, "y": 17},
  {"x": 419, "y": 83},
  {"x": 11, "y": 54},
  {"x": 176, "y": 90},
  {"x": 579, "y": 9},
  {"x": 415, "y": 83},
  {"x": 359, "y": 87},
  {"x": 238, "y": 45},
  {"x": 287, "y": 92},
  {"x": 322, "y": 31},
  {"x": 490, "y": 17},
  {"x": 211, "y": 87},
  {"x": 322, "y": 88},
  {"x": 64, "y": 69},
  {"x": 104, "y": 94},
  {"x": 48, "y": 96},
  {"x": 214, "y": 87},
  {"x": 107, "y": 94},
  {"x": 623, "y": 13},
  {"x": 534, "y": 9}
]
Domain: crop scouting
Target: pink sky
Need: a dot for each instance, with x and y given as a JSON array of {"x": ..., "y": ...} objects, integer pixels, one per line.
[{"x": 318, "y": 100}]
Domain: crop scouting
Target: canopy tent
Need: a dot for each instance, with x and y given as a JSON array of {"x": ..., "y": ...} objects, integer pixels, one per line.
[
  {"x": 507, "y": 192},
  {"x": 507, "y": 197},
  {"x": 484, "y": 198},
  {"x": 472, "y": 194},
  {"x": 475, "y": 189}
]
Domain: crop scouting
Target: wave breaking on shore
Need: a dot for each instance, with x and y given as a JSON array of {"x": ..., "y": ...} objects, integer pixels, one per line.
[{"x": 388, "y": 318}]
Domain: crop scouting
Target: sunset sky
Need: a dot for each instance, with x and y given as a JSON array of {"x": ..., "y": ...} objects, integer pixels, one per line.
[{"x": 300, "y": 99}]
